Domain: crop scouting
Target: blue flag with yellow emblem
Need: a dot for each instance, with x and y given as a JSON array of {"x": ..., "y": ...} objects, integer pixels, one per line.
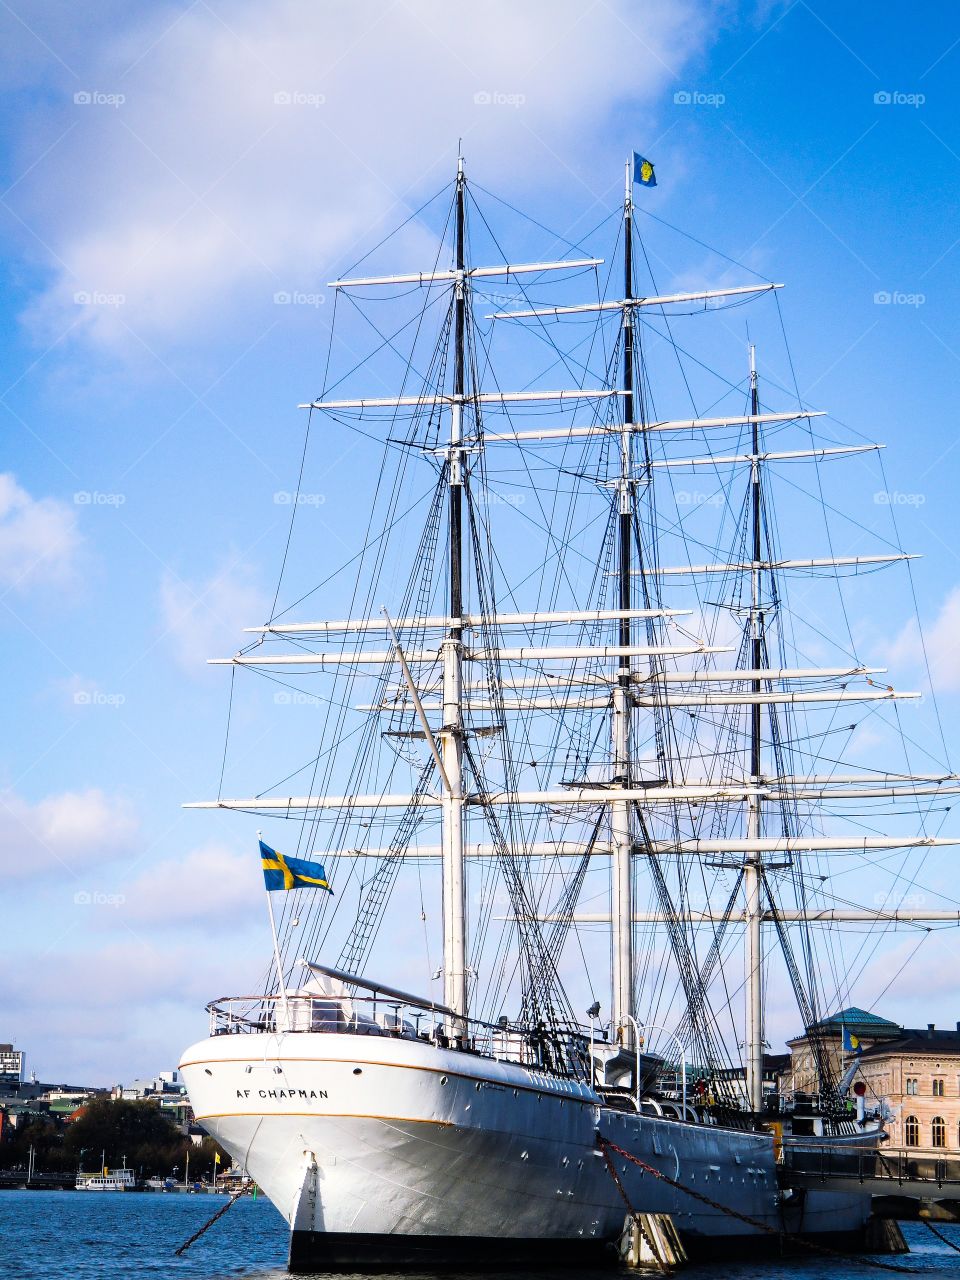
[
  {"x": 643, "y": 171},
  {"x": 851, "y": 1043},
  {"x": 281, "y": 872}
]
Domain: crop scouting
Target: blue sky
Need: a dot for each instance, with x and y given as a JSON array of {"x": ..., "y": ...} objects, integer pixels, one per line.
[{"x": 167, "y": 172}]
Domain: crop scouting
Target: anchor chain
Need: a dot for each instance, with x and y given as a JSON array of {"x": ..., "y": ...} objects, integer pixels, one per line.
[
  {"x": 207, "y": 1225},
  {"x": 654, "y": 1253},
  {"x": 605, "y": 1144},
  {"x": 940, "y": 1236}
]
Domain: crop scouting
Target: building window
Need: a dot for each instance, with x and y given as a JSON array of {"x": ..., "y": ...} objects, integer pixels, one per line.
[
  {"x": 911, "y": 1131},
  {"x": 938, "y": 1088},
  {"x": 911, "y": 1086},
  {"x": 938, "y": 1132}
]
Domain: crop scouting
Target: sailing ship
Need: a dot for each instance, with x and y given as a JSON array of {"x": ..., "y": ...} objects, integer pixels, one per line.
[{"x": 555, "y": 715}]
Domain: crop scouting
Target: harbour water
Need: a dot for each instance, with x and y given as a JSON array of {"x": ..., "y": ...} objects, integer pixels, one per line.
[{"x": 116, "y": 1236}]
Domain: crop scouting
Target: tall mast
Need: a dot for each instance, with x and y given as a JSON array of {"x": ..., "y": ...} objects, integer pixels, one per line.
[
  {"x": 451, "y": 734},
  {"x": 753, "y": 957},
  {"x": 621, "y": 827}
]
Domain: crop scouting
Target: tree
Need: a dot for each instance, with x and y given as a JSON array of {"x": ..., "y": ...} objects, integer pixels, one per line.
[
  {"x": 39, "y": 1132},
  {"x": 120, "y": 1128},
  {"x": 203, "y": 1158}
]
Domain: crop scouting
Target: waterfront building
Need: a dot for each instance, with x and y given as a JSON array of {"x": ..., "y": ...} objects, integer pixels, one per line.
[
  {"x": 862, "y": 1028},
  {"x": 11, "y": 1065},
  {"x": 912, "y": 1075},
  {"x": 917, "y": 1077}
]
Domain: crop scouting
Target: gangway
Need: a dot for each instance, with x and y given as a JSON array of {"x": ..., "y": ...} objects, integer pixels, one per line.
[{"x": 905, "y": 1183}]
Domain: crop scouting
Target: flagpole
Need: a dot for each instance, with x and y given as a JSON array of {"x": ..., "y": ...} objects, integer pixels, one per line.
[{"x": 276, "y": 954}]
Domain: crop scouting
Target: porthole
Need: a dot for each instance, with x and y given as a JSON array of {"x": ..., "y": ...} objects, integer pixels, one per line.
[
  {"x": 358, "y": 1071},
  {"x": 208, "y": 1071},
  {"x": 444, "y": 1080}
]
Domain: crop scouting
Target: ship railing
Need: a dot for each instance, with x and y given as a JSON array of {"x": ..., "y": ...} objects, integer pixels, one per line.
[
  {"x": 866, "y": 1163},
  {"x": 386, "y": 1016}
]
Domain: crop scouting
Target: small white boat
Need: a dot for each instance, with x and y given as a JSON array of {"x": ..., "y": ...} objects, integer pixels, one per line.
[{"x": 117, "y": 1180}]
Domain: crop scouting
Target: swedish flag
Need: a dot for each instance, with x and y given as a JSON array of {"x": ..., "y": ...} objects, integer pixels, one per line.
[
  {"x": 851, "y": 1043},
  {"x": 643, "y": 171},
  {"x": 281, "y": 872}
]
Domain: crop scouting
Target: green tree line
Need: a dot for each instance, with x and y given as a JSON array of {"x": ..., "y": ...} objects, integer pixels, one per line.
[{"x": 149, "y": 1139}]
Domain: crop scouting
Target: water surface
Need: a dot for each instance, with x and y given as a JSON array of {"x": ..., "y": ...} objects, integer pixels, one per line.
[{"x": 62, "y": 1235}]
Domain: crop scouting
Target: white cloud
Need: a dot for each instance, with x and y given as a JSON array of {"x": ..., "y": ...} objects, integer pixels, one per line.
[
  {"x": 940, "y": 639},
  {"x": 63, "y": 833},
  {"x": 101, "y": 1013},
  {"x": 211, "y": 886},
  {"x": 206, "y": 619},
  {"x": 39, "y": 540},
  {"x": 254, "y": 146}
]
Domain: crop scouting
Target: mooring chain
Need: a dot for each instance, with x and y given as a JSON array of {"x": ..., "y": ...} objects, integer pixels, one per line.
[
  {"x": 940, "y": 1236},
  {"x": 605, "y": 1145},
  {"x": 235, "y": 1196},
  {"x": 654, "y": 1253}
]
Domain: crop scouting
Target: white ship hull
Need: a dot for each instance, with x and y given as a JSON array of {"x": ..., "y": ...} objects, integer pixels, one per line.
[{"x": 382, "y": 1150}]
